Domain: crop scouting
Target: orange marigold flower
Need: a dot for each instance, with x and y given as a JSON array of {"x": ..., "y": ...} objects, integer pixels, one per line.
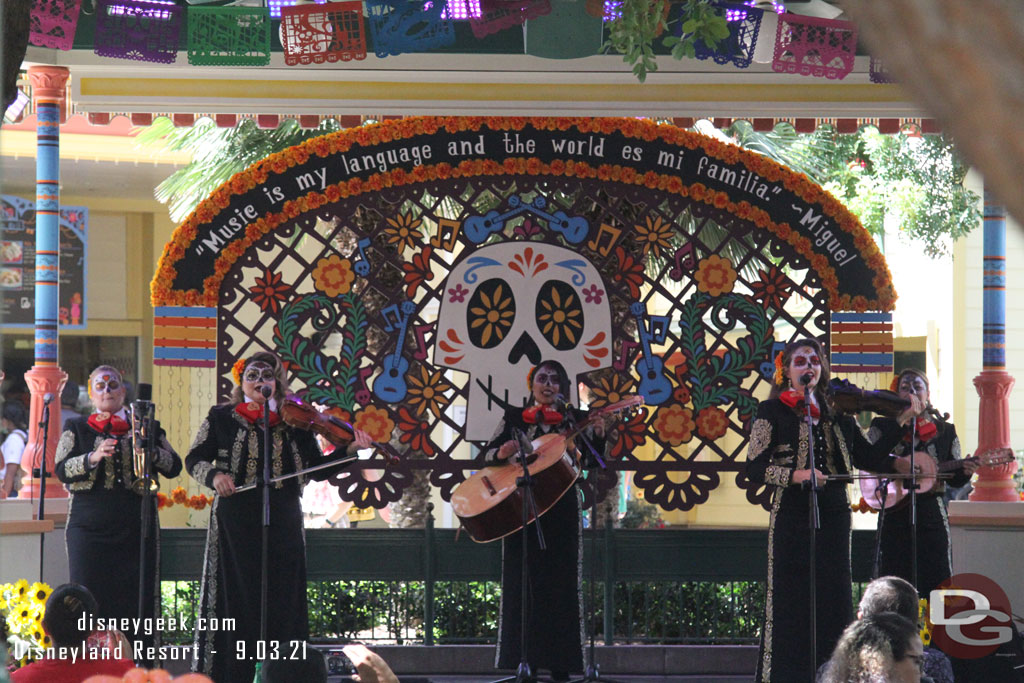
[
  {"x": 674, "y": 424},
  {"x": 712, "y": 422},
  {"x": 376, "y": 422},
  {"x": 715, "y": 275},
  {"x": 179, "y": 495},
  {"x": 333, "y": 275}
]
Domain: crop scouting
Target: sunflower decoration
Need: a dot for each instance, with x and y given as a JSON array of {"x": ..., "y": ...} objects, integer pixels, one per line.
[
  {"x": 38, "y": 592},
  {"x": 22, "y": 606},
  {"x": 924, "y": 621}
]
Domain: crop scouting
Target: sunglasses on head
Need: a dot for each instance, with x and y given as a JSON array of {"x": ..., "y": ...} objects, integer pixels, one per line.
[
  {"x": 255, "y": 374},
  {"x": 802, "y": 361}
]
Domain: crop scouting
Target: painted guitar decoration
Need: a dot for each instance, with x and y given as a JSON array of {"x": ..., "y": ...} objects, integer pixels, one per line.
[
  {"x": 654, "y": 385},
  {"x": 871, "y": 487},
  {"x": 479, "y": 228},
  {"x": 390, "y": 385}
]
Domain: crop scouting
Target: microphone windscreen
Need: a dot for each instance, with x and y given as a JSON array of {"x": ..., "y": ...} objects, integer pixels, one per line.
[
  {"x": 47, "y": 398},
  {"x": 266, "y": 391},
  {"x": 144, "y": 392}
]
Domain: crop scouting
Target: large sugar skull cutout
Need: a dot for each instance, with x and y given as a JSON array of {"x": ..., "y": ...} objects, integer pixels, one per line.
[{"x": 507, "y": 307}]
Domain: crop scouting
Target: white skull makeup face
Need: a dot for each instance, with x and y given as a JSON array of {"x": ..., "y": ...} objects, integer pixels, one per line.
[{"x": 507, "y": 307}]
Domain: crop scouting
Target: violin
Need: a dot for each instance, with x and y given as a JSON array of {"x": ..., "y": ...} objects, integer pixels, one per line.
[
  {"x": 849, "y": 398},
  {"x": 302, "y": 415}
]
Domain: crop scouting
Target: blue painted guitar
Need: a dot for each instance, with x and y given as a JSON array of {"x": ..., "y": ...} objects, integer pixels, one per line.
[
  {"x": 390, "y": 385},
  {"x": 479, "y": 228},
  {"x": 654, "y": 385}
]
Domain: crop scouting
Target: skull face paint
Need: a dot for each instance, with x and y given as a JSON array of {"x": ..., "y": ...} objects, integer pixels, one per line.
[{"x": 508, "y": 306}]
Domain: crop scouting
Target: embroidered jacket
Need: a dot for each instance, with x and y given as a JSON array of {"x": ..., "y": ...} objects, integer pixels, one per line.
[
  {"x": 80, "y": 439},
  {"x": 779, "y": 444}
]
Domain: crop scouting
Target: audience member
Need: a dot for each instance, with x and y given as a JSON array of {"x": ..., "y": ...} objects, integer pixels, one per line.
[
  {"x": 881, "y": 648},
  {"x": 15, "y": 424}
]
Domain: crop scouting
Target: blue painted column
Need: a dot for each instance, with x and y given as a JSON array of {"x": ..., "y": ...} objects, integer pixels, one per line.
[
  {"x": 994, "y": 383},
  {"x": 46, "y": 378}
]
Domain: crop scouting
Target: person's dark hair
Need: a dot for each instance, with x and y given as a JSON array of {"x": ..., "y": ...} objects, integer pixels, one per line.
[
  {"x": 69, "y": 395},
  {"x": 889, "y": 594},
  {"x": 563, "y": 376},
  {"x": 826, "y": 374},
  {"x": 280, "y": 382},
  {"x": 869, "y": 648},
  {"x": 16, "y": 413},
  {"x": 65, "y": 608},
  {"x": 313, "y": 668}
]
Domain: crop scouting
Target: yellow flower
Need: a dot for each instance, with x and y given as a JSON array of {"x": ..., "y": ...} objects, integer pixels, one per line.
[
  {"x": 402, "y": 232},
  {"x": 20, "y": 588},
  {"x": 715, "y": 275},
  {"x": 333, "y": 275},
  {"x": 39, "y": 592},
  {"x": 426, "y": 392},
  {"x": 654, "y": 235}
]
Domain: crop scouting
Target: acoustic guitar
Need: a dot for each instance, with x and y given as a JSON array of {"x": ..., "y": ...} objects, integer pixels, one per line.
[
  {"x": 873, "y": 487},
  {"x": 490, "y": 504}
]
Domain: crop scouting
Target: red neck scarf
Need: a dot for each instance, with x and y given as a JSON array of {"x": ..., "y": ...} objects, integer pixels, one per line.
[
  {"x": 105, "y": 423},
  {"x": 795, "y": 399},
  {"x": 253, "y": 412},
  {"x": 926, "y": 431},
  {"x": 541, "y": 414}
]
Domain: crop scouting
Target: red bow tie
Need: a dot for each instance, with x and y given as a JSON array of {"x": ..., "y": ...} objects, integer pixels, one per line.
[
  {"x": 795, "y": 399},
  {"x": 105, "y": 423},
  {"x": 926, "y": 431},
  {"x": 253, "y": 412},
  {"x": 541, "y": 414}
]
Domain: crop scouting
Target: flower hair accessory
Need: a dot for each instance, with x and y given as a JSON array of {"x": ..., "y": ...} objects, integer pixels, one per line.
[
  {"x": 778, "y": 369},
  {"x": 236, "y": 371},
  {"x": 894, "y": 385}
]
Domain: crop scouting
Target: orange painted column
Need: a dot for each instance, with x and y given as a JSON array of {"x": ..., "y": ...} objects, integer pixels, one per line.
[{"x": 46, "y": 379}]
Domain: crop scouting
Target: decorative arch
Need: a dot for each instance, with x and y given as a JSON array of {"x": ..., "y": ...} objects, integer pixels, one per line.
[{"x": 410, "y": 271}]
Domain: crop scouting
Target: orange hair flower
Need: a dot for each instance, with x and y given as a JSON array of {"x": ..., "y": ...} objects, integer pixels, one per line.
[
  {"x": 778, "y": 369},
  {"x": 236, "y": 371},
  {"x": 894, "y": 385}
]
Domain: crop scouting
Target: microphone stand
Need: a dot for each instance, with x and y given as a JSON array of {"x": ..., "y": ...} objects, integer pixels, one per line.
[
  {"x": 882, "y": 492},
  {"x": 814, "y": 524},
  {"x": 44, "y": 426},
  {"x": 146, "y": 515},
  {"x": 913, "y": 486},
  {"x": 265, "y": 538},
  {"x": 524, "y": 673}
]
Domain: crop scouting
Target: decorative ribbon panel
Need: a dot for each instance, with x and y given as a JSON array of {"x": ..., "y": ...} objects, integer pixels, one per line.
[{"x": 411, "y": 272}]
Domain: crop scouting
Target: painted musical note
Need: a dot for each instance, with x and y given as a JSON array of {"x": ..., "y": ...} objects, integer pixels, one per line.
[
  {"x": 627, "y": 351},
  {"x": 654, "y": 386},
  {"x": 363, "y": 393},
  {"x": 447, "y": 234},
  {"x": 421, "y": 340},
  {"x": 361, "y": 265},
  {"x": 390, "y": 385},
  {"x": 602, "y": 246},
  {"x": 684, "y": 260}
]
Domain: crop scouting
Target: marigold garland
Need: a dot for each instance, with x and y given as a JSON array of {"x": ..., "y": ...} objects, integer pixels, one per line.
[
  {"x": 342, "y": 141},
  {"x": 179, "y": 496}
]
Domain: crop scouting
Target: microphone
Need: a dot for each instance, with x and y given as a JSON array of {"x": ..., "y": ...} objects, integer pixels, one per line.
[
  {"x": 266, "y": 391},
  {"x": 806, "y": 378},
  {"x": 144, "y": 393},
  {"x": 47, "y": 399},
  {"x": 560, "y": 403}
]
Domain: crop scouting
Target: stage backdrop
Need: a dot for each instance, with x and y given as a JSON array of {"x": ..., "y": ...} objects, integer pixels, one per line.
[{"x": 410, "y": 272}]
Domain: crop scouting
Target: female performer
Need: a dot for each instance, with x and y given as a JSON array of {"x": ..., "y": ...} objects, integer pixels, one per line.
[
  {"x": 778, "y": 456},
  {"x": 94, "y": 461},
  {"x": 555, "y": 626},
  {"x": 228, "y": 453},
  {"x": 937, "y": 439}
]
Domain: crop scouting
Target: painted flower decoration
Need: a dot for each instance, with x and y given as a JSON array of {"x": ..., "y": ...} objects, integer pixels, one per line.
[
  {"x": 654, "y": 235},
  {"x": 674, "y": 424},
  {"x": 402, "y": 231},
  {"x": 715, "y": 275},
  {"x": 632, "y": 434},
  {"x": 712, "y": 422},
  {"x": 414, "y": 432},
  {"x": 426, "y": 392},
  {"x": 772, "y": 289},
  {"x": 593, "y": 294},
  {"x": 333, "y": 275},
  {"x": 630, "y": 272},
  {"x": 418, "y": 272},
  {"x": 526, "y": 229},
  {"x": 376, "y": 422},
  {"x": 610, "y": 390},
  {"x": 457, "y": 294},
  {"x": 560, "y": 316},
  {"x": 491, "y": 312},
  {"x": 268, "y": 291}
]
